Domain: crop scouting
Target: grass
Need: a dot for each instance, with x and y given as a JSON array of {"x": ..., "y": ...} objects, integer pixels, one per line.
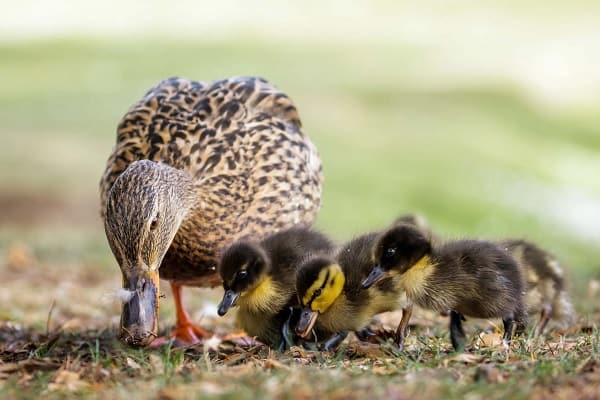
[
  {"x": 107, "y": 369},
  {"x": 478, "y": 158}
]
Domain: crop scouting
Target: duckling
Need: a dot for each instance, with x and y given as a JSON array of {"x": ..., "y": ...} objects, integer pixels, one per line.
[
  {"x": 469, "y": 277},
  {"x": 542, "y": 272},
  {"x": 330, "y": 293},
  {"x": 259, "y": 277},
  {"x": 197, "y": 165},
  {"x": 544, "y": 278},
  {"x": 418, "y": 221}
]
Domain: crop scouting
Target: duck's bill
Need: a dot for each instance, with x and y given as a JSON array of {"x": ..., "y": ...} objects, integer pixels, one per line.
[
  {"x": 376, "y": 275},
  {"x": 139, "y": 317},
  {"x": 307, "y": 321},
  {"x": 229, "y": 300}
]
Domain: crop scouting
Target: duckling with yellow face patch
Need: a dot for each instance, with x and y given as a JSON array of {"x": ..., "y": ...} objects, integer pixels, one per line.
[
  {"x": 542, "y": 272},
  {"x": 469, "y": 277},
  {"x": 259, "y": 277},
  {"x": 330, "y": 293}
]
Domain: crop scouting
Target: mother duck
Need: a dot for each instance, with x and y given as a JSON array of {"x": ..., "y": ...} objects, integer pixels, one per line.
[{"x": 195, "y": 167}]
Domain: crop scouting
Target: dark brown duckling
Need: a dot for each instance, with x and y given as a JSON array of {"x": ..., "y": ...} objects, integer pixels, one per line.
[
  {"x": 542, "y": 272},
  {"x": 469, "y": 277},
  {"x": 544, "y": 279},
  {"x": 259, "y": 277}
]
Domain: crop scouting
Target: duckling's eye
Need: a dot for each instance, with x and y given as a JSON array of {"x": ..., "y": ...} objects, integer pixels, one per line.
[
  {"x": 242, "y": 274},
  {"x": 390, "y": 252},
  {"x": 154, "y": 222},
  {"x": 317, "y": 292}
]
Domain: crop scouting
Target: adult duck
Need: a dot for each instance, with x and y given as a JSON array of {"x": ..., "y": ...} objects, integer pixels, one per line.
[{"x": 197, "y": 166}]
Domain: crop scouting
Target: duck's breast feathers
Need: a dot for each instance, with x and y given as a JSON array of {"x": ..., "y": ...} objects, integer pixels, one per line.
[{"x": 239, "y": 127}]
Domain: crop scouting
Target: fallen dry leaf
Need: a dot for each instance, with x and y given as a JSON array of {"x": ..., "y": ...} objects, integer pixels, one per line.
[
  {"x": 489, "y": 340},
  {"x": 270, "y": 363},
  {"x": 67, "y": 380},
  {"x": 212, "y": 343},
  {"x": 131, "y": 363},
  {"x": 29, "y": 365},
  {"x": 466, "y": 358},
  {"x": 19, "y": 256}
]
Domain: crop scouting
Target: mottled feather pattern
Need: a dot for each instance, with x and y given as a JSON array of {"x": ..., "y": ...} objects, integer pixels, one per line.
[{"x": 242, "y": 143}]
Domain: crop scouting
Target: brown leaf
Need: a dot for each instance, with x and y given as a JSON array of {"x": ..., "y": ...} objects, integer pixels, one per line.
[
  {"x": 490, "y": 340},
  {"x": 67, "y": 380},
  {"x": 274, "y": 364},
  {"x": 466, "y": 358},
  {"x": 30, "y": 365},
  {"x": 19, "y": 256}
]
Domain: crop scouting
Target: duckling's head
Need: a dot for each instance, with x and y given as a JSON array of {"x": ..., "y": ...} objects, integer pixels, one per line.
[
  {"x": 396, "y": 251},
  {"x": 144, "y": 209},
  {"x": 319, "y": 282},
  {"x": 243, "y": 267}
]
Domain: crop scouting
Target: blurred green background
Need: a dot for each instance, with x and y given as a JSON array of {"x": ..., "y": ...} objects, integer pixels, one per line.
[{"x": 483, "y": 118}]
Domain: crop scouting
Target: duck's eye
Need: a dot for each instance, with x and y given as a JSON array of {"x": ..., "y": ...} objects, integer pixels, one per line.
[
  {"x": 154, "y": 223},
  {"x": 317, "y": 292},
  {"x": 390, "y": 252},
  {"x": 242, "y": 274}
]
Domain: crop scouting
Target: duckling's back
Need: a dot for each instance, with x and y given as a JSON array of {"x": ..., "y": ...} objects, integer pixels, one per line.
[
  {"x": 480, "y": 278},
  {"x": 288, "y": 248}
]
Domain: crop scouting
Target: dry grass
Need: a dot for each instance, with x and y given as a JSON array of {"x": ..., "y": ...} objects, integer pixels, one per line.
[{"x": 68, "y": 348}]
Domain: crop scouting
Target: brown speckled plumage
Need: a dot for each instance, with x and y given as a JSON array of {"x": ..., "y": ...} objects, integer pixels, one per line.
[
  {"x": 240, "y": 141},
  {"x": 197, "y": 166}
]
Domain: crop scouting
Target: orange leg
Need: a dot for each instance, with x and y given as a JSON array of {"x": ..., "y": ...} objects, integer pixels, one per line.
[{"x": 185, "y": 332}]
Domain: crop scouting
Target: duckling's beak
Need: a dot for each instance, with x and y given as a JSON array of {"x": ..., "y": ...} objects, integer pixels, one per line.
[
  {"x": 229, "y": 299},
  {"x": 307, "y": 321},
  {"x": 375, "y": 276},
  {"x": 139, "y": 317}
]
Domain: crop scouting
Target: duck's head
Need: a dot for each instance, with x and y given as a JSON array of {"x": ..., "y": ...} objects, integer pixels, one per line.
[
  {"x": 144, "y": 210},
  {"x": 319, "y": 283},
  {"x": 244, "y": 266},
  {"x": 396, "y": 251}
]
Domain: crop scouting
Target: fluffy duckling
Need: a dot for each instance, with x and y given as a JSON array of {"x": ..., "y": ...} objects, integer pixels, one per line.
[
  {"x": 259, "y": 277},
  {"x": 469, "y": 277},
  {"x": 542, "y": 273},
  {"x": 331, "y": 295},
  {"x": 544, "y": 279}
]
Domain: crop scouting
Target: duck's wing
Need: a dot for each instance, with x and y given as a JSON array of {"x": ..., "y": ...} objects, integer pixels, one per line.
[{"x": 221, "y": 132}]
